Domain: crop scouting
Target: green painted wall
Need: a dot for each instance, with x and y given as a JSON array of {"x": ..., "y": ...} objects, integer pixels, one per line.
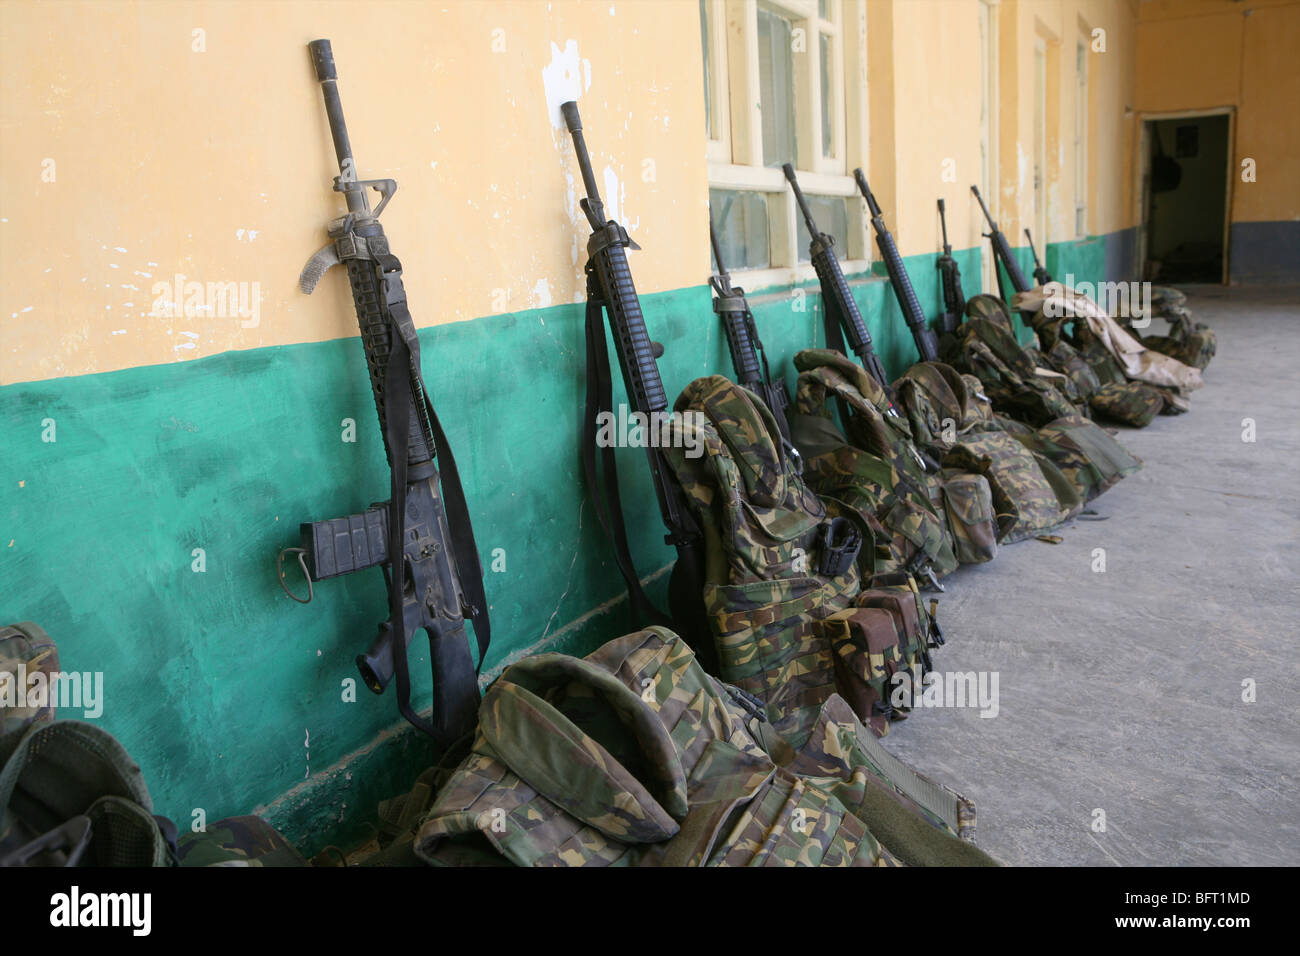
[{"x": 229, "y": 694}]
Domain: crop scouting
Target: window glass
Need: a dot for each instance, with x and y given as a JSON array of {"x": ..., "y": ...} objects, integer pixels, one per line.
[
  {"x": 832, "y": 216},
  {"x": 776, "y": 87},
  {"x": 741, "y": 222}
]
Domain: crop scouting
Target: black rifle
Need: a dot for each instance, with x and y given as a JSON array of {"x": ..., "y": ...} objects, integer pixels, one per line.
[
  {"x": 1002, "y": 251},
  {"x": 1041, "y": 275},
  {"x": 438, "y": 580},
  {"x": 954, "y": 299},
  {"x": 841, "y": 308},
  {"x": 926, "y": 343},
  {"x": 747, "y": 354},
  {"x": 610, "y": 288}
]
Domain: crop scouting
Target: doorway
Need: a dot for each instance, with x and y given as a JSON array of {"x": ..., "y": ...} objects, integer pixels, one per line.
[{"x": 1186, "y": 197}]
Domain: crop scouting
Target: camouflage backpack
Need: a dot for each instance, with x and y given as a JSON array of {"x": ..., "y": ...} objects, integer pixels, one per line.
[
  {"x": 635, "y": 756},
  {"x": 873, "y": 466},
  {"x": 778, "y": 560}
]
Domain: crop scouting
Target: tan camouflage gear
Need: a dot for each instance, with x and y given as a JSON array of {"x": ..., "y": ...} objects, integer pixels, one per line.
[{"x": 635, "y": 756}]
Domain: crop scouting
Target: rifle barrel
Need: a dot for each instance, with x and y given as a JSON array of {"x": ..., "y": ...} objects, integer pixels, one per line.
[
  {"x": 322, "y": 56},
  {"x": 594, "y": 208}
]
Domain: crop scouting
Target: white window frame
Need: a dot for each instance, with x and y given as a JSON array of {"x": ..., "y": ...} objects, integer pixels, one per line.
[
  {"x": 990, "y": 187},
  {"x": 1081, "y": 116},
  {"x": 735, "y": 150}
]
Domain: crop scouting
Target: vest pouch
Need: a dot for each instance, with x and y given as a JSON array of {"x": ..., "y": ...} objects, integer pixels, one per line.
[
  {"x": 867, "y": 656},
  {"x": 971, "y": 516}
]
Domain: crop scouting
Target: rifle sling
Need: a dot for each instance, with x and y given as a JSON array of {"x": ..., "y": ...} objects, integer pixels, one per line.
[
  {"x": 605, "y": 495},
  {"x": 402, "y": 362}
]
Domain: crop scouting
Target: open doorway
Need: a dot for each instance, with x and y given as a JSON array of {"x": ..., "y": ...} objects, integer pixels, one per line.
[{"x": 1186, "y": 196}]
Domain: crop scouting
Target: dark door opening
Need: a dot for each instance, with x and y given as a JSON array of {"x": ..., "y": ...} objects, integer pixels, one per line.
[{"x": 1186, "y": 199}]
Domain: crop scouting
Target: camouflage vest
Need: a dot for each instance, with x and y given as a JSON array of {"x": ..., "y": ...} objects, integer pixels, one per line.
[
  {"x": 778, "y": 562},
  {"x": 1026, "y": 493},
  {"x": 874, "y": 467},
  {"x": 635, "y": 756}
]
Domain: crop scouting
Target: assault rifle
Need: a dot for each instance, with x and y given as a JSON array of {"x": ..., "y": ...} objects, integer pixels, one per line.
[
  {"x": 435, "y": 580},
  {"x": 922, "y": 334},
  {"x": 1041, "y": 275},
  {"x": 747, "y": 354},
  {"x": 1002, "y": 251},
  {"x": 610, "y": 288},
  {"x": 954, "y": 299},
  {"x": 841, "y": 308}
]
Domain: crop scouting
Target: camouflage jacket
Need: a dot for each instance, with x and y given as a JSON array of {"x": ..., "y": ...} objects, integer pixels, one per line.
[{"x": 635, "y": 756}]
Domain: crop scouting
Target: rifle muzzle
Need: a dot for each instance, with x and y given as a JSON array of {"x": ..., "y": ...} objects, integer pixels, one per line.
[{"x": 322, "y": 57}]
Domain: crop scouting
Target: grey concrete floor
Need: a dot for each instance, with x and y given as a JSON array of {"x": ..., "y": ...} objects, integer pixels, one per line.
[{"x": 1122, "y": 691}]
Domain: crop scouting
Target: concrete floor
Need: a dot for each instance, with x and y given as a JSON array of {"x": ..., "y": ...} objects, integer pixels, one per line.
[{"x": 1122, "y": 691}]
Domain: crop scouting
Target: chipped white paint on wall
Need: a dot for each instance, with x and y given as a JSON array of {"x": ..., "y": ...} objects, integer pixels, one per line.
[
  {"x": 541, "y": 294},
  {"x": 565, "y": 78}
]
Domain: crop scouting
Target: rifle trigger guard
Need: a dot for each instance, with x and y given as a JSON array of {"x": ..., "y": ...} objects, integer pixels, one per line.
[{"x": 302, "y": 563}]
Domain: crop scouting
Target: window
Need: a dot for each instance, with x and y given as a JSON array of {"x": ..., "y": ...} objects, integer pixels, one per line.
[
  {"x": 1081, "y": 140},
  {"x": 775, "y": 92}
]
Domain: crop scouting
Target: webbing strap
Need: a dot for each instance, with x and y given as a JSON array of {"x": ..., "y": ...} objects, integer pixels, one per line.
[
  {"x": 604, "y": 493},
  {"x": 403, "y": 365}
]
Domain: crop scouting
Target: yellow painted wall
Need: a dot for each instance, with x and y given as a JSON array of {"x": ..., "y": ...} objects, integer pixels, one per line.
[
  {"x": 1199, "y": 54},
  {"x": 1060, "y": 23},
  {"x": 217, "y": 165}
]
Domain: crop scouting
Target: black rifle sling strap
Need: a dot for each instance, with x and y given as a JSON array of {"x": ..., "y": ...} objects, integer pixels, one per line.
[
  {"x": 403, "y": 360},
  {"x": 604, "y": 494}
]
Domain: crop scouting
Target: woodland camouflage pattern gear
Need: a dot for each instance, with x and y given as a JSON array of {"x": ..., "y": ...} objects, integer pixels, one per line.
[
  {"x": 24, "y": 650},
  {"x": 761, "y": 523},
  {"x": 237, "y": 841},
  {"x": 635, "y": 756},
  {"x": 1082, "y": 452},
  {"x": 876, "y": 469},
  {"x": 1009, "y": 377},
  {"x": 1027, "y": 494},
  {"x": 972, "y": 516}
]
